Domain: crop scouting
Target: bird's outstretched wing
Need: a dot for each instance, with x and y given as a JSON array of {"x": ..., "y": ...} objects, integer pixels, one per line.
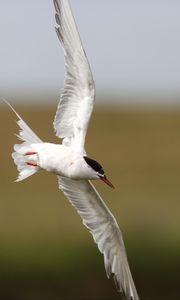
[
  {"x": 105, "y": 231},
  {"x": 77, "y": 99}
]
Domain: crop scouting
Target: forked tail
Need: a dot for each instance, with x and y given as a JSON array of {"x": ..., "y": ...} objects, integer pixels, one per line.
[{"x": 23, "y": 153}]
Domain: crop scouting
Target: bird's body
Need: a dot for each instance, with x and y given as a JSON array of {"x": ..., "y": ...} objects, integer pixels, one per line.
[
  {"x": 56, "y": 158},
  {"x": 69, "y": 160}
]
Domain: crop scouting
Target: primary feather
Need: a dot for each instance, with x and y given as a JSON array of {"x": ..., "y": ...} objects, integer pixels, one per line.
[
  {"x": 106, "y": 233},
  {"x": 77, "y": 99}
]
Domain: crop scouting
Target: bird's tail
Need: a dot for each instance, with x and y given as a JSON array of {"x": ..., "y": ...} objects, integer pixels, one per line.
[{"x": 24, "y": 154}]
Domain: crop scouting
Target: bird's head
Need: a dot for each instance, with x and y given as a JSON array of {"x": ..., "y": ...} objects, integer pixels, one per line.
[{"x": 98, "y": 169}]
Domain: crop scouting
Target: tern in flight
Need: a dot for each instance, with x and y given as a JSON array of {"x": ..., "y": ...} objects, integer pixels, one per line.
[{"x": 69, "y": 160}]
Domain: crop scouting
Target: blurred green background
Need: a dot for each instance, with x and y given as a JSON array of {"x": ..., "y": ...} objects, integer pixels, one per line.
[
  {"x": 133, "y": 48},
  {"x": 46, "y": 252}
]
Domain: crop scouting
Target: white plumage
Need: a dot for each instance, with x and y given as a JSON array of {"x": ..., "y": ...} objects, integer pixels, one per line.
[
  {"x": 105, "y": 231},
  {"x": 76, "y": 102},
  {"x": 69, "y": 160}
]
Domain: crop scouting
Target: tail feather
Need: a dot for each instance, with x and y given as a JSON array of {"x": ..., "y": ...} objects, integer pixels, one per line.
[
  {"x": 24, "y": 169},
  {"x": 28, "y": 137},
  {"x": 21, "y": 160},
  {"x": 26, "y": 134}
]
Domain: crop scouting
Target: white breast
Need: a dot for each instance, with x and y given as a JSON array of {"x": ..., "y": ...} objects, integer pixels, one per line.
[{"x": 63, "y": 161}]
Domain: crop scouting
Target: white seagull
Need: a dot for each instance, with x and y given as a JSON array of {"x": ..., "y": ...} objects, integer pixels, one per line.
[{"x": 69, "y": 160}]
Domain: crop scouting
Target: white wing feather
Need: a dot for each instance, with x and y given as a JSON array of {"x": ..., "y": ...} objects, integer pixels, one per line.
[
  {"x": 77, "y": 99},
  {"x": 71, "y": 122},
  {"x": 104, "y": 228}
]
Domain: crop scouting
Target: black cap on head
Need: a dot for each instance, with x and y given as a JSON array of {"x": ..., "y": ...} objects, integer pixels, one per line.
[
  {"x": 99, "y": 169},
  {"x": 94, "y": 165}
]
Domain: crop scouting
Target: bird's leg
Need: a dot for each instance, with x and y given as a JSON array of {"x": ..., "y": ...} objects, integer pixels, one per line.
[
  {"x": 30, "y": 163},
  {"x": 30, "y": 153}
]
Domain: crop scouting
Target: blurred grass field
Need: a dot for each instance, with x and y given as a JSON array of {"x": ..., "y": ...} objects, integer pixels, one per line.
[{"x": 45, "y": 251}]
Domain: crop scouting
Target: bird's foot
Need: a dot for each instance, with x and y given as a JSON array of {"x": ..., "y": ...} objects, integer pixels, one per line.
[
  {"x": 30, "y": 153},
  {"x": 31, "y": 163}
]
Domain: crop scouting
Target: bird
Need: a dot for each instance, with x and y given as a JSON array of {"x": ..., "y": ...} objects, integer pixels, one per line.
[{"x": 69, "y": 160}]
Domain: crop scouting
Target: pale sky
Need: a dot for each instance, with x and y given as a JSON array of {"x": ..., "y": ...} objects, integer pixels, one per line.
[{"x": 133, "y": 47}]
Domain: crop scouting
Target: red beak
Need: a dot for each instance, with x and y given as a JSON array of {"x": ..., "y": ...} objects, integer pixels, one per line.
[{"x": 104, "y": 178}]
